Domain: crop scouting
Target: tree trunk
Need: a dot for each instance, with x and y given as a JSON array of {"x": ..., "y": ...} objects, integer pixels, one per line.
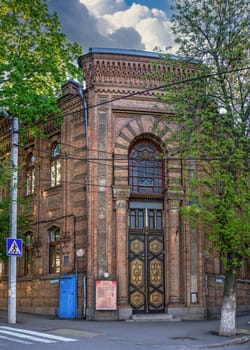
[{"x": 228, "y": 311}]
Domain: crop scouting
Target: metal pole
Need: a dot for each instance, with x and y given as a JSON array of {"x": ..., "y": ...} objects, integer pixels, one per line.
[{"x": 13, "y": 222}]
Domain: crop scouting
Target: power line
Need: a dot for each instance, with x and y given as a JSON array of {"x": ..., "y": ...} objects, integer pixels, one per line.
[
  {"x": 143, "y": 91},
  {"x": 65, "y": 156},
  {"x": 164, "y": 86},
  {"x": 168, "y": 85}
]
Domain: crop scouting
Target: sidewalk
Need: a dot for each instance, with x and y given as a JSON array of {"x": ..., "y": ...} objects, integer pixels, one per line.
[{"x": 170, "y": 335}]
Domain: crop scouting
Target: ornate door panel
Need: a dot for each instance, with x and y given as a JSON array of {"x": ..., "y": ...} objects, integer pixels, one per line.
[{"x": 146, "y": 259}]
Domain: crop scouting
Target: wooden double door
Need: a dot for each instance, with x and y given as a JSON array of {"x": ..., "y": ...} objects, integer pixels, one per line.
[{"x": 146, "y": 257}]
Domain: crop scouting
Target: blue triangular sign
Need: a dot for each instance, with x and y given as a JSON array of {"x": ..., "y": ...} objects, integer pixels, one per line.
[{"x": 14, "y": 247}]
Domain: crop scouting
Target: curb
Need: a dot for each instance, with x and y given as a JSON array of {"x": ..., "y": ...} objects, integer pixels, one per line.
[{"x": 239, "y": 340}]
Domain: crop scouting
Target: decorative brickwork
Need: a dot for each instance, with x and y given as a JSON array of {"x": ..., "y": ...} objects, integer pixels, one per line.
[{"x": 93, "y": 222}]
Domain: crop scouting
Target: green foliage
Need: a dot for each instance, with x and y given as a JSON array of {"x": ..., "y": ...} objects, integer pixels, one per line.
[
  {"x": 35, "y": 60},
  {"x": 4, "y": 227},
  {"x": 213, "y": 112},
  {"x": 24, "y": 219}
]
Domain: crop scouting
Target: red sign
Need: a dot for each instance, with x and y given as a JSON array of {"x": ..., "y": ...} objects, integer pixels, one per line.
[{"x": 106, "y": 295}]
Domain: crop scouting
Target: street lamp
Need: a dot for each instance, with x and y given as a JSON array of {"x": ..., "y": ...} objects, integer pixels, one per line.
[{"x": 13, "y": 214}]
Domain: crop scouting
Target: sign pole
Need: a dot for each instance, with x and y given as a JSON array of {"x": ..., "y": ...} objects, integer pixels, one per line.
[{"x": 13, "y": 222}]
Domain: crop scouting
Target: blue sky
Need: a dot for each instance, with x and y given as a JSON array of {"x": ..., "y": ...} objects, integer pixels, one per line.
[
  {"x": 127, "y": 24},
  {"x": 160, "y": 4}
]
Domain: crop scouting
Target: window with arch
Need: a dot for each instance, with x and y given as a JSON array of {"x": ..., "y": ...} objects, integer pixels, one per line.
[
  {"x": 28, "y": 253},
  {"x": 54, "y": 250},
  {"x": 55, "y": 165},
  {"x": 30, "y": 174},
  {"x": 146, "y": 168}
]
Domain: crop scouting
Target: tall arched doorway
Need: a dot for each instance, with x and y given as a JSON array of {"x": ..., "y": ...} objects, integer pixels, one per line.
[{"x": 145, "y": 234}]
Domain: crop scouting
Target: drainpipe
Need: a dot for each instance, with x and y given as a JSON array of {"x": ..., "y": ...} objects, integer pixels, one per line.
[
  {"x": 84, "y": 283},
  {"x": 84, "y": 101},
  {"x": 85, "y": 106}
]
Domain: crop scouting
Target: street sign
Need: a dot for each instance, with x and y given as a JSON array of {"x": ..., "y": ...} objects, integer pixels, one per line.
[{"x": 14, "y": 247}]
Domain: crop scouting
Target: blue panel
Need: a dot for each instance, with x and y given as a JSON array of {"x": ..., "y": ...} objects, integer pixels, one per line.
[{"x": 68, "y": 297}]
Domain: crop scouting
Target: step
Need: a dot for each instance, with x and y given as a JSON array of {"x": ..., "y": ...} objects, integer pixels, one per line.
[{"x": 154, "y": 318}]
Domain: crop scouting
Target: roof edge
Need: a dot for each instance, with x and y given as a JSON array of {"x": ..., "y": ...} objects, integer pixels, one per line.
[{"x": 131, "y": 52}]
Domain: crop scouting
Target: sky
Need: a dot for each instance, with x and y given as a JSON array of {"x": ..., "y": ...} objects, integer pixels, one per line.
[{"x": 127, "y": 24}]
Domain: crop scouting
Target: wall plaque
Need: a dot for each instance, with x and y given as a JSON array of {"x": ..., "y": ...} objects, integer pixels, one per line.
[{"x": 106, "y": 295}]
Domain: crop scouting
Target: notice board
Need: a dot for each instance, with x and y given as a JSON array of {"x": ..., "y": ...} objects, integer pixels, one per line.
[{"x": 106, "y": 295}]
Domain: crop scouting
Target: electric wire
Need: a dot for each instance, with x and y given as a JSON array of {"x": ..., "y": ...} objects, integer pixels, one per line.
[
  {"x": 144, "y": 91},
  {"x": 99, "y": 160}
]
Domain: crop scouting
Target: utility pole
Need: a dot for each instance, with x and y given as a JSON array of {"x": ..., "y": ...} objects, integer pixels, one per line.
[
  {"x": 13, "y": 216},
  {"x": 13, "y": 223}
]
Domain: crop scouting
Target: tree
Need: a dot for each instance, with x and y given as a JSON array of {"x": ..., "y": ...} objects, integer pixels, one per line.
[
  {"x": 24, "y": 218},
  {"x": 35, "y": 60},
  {"x": 4, "y": 206},
  {"x": 212, "y": 109}
]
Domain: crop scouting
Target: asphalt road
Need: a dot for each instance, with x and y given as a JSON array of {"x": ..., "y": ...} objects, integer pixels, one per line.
[{"x": 41, "y": 332}]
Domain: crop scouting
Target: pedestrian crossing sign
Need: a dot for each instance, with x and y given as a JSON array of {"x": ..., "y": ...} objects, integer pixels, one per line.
[{"x": 14, "y": 247}]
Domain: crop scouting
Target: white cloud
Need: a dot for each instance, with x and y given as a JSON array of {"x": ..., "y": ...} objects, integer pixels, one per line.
[
  {"x": 129, "y": 17},
  {"x": 151, "y": 24},
  {"x": 112, "y": 23},
  {"x": 81, "y": 26},
  {"x": 102, "y": 7},
  {"x": 155, "y": 33}
]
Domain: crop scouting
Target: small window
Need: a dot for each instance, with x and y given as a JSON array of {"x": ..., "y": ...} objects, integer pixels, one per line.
[
  {"x": 54, "y": 251},
  {"x": 140, "y": 218},
  {"x": 159, "y": 219},
  {"x": 55, "y": 165},
  {"x": 151, "y": 222},
  {"x": 132, "y": 218},
  {"x": 28, "y": 254},
  {"x": 30, "y": 174}
]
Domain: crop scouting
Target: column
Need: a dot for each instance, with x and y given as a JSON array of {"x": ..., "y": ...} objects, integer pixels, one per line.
[
  {"x": 121, "y": 196},
  {"x": 173, "y": 220}
]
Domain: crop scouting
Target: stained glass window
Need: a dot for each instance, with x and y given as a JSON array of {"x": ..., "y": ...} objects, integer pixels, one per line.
[{"x": 145, "y": 168}]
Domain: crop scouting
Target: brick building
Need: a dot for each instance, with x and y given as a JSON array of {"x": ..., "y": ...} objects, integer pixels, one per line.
[{"x": 106, "y": 205}]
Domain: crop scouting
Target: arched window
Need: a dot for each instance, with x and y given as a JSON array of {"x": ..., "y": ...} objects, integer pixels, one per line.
[
  {"x": 54, "y": 250},
  {"x": 30, "y": 174},
  {"x": 28, "y": 254},
  {"x": 55, "y": 165},
  {"x": 145, "y": 168}
]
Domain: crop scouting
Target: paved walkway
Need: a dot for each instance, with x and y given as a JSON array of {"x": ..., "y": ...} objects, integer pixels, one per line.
[{"x": 174, "y": 335}]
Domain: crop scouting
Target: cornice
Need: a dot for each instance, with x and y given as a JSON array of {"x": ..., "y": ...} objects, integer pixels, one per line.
[
  {"x": 130, "y": 72},
  {"x": 69, "y": 101},
  {"x": 126, "y": 112},
  {"x": 50, "y": 127},
  {"x": 119, "y": 72},
  {"x": 129, "y": 90}
]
